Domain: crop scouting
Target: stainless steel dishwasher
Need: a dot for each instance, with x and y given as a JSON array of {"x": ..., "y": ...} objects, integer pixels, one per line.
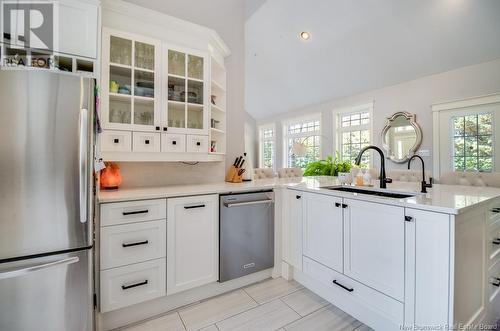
[{"x": 246, "y": 234}]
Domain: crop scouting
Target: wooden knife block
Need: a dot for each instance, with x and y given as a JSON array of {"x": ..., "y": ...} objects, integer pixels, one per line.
[{"x": 232, "y": 175}]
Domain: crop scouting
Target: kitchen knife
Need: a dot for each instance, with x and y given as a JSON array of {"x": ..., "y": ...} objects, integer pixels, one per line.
[
  {"x": 235, "y": 162},
  {"x": 241, "y": 164},
  {"x": 238, "y": 160}
]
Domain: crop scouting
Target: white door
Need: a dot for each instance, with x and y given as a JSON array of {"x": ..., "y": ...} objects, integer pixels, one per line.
[
  {"x": 323, "y": 230},
  {"x": 292, "y": 228},
  {"x": 192, "y": 242},
  {"x": 374, "y": 246}
]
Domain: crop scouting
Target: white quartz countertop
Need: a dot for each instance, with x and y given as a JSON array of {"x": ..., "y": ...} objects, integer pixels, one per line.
[{"x": 450, "y": 199}]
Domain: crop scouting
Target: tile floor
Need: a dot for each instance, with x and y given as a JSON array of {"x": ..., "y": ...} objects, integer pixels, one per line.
[{"x": 274, "y": 304}]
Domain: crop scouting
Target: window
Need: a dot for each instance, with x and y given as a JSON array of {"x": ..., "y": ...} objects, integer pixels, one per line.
[
  {"x": 354, "y": 132},
  {"x": 267, "y": 143},
  {"x": 473, "y": 142},
  {"x": 302, "y": 142}
]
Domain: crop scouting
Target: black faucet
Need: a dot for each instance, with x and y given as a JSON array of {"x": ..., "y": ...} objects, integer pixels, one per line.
[
  {"x": 424, "y": 183},
  {"x": 383, "y": 179}
]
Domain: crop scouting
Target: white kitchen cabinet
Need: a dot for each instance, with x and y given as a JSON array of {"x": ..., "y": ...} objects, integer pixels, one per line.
[
  {"x": 374, "y": 246},
  {"x": 173, "y": 143},
  {"x": 116, "y": 141},
  {"x": 196, "y": 144},
  {"x": 146, "y": 142},
  {"x": 130, "y": 82},
  {"x": 192, "y": 242},
  {"x": 322, "y": 237},
  {"x": 292, "y": 228},
  {"x": 75, "y": 18}
]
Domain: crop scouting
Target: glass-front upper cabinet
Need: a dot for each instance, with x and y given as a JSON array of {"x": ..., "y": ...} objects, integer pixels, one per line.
[
  {"x": 130, "y": 82},
  {"x": 186, "y": 109}
]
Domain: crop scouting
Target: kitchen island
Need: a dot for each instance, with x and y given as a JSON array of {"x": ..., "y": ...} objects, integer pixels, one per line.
[{"x": 429, "y": 260}]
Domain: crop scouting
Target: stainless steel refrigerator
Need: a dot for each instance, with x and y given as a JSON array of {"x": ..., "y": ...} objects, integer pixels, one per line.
[{"x": 46, "y": 277}]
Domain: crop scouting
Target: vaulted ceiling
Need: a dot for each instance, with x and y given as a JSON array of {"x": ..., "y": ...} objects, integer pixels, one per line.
[{"x": 356, "y": 46}]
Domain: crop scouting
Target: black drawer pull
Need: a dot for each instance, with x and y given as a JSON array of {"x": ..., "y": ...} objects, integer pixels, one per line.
[
  {"x": 174, "y": 142},
  {"x": 198, "y": 143},
  {"x": 126, "y": 287},
  {"x": 193, "y": 207},
  {"x": 157, "y": 128},
  {"x": 165, "y": 128},
  {"x": 344, "y": 287},
  {"x": 495, "y": 210},
  {"x": 145, "y": 242},
  {"x": 497, "y": 284},
  {"x": 344, "y": 205},
  {"x": 116, "y": 140},
  {"x": 126, "y": 213},
  {"x": 496, "y": 241},
  {"x": 408, "y": 219},
  {"x": 298, "y": 197},
  {"x": 146, "y": 141},
  {"x": 337, "y": 204}
]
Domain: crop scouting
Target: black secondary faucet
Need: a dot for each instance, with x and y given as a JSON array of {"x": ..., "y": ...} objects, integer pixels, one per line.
[
  {"x": 383, "y": 179},
  {"x": 424, "y": 183}
]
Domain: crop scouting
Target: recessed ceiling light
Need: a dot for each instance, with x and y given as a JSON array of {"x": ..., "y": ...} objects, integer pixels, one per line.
[{"x": 305, "y": 35}]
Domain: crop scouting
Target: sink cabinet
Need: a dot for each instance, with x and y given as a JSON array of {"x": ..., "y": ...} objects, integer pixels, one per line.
[
  {"x": 323, "y": 230},
  {"x": 374, "y": 236}
]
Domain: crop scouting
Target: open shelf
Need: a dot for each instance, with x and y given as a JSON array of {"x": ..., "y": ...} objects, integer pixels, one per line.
[
  {"x": 217, "y": 131},
  {"x": 217, "y": 87},
  {"x": 217, "y": 108}
]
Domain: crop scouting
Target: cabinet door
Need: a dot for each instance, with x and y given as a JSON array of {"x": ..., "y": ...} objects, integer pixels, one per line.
[
  {"x": 186, "y": 76},
  {"x": 130, "y": 82},
  {"x": 292, "y": 228},
  {"x": 374, "y": 246},
  {"x": 323, "y": 230},
  {"x": 192, "y": 242}
]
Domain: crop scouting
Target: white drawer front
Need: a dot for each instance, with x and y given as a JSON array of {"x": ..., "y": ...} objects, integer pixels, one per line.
[
  {"x": 197, "y": 144},
  {"x": 146, "y": 142},
  {"x": 494, "y": 241},
  {"x": 173, "y": 142},
  {"x": 494, "y": 281},
  {"x": 133, "y": 211},
  {"x": 116, "y": 141},
  {"x": 494, "y": 211},
  {"x": 125, "y": 286},
  {"x": 132, "y": 243},
  {"x": 388, "y": 307}
]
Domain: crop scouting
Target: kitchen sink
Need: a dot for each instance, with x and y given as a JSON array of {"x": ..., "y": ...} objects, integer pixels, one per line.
[{"x": 369, "y": 192}]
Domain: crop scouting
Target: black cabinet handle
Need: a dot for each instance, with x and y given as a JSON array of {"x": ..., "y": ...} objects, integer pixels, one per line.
[
  {"x": 145, "y": 242},
  {"x": 146, "y": 141},
  {"x": 497, "y": 284},
  {"x": 165, "y": 128},
  {"x": 193, "y": 207},
  {"x": 174, "y": 142},
  {"x": 337, "y": 204},
  {"x": 126, "y": 213},
  {"x": 198, "y": 143},
  {"x": 298, "y": 197},
  {"x": 495, "y": 210},
  {"x": 408, "y": 219},
  {"x": 496, "y": 241},
  {"x": 344, "y": 205},
  {"x": 6, "y": 36},
  {"x": 116, "y": 140},
  {"x": 343, "y": 286},
  {"x": 126, "y": 287},
  {"x": 157, "y": 128}
]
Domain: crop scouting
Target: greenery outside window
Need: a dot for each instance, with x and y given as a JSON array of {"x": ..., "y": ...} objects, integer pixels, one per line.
[
  {"x": 303, "y": 135},
  {"x": 267, "y": 146}
]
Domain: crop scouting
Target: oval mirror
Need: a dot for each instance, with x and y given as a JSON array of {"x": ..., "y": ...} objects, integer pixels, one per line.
[{"x": 401, "y": 136}]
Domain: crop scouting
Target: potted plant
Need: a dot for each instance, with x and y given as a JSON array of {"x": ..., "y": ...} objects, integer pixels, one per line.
[{"x": 329, "y": 167}]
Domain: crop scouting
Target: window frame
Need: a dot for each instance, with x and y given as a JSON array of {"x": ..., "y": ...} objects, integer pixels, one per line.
[
  {"x": 338, "y": 113},
  {"x": 262, "y": 140},
  {"x": 287, "y": 136}
]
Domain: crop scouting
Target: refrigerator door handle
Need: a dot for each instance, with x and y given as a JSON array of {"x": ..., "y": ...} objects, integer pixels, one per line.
[
  {"x": 27, "y": 270},
  {"x": 83, "y": 163}
]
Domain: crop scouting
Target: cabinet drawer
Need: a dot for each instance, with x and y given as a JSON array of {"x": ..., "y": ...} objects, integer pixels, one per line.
[
  {"x": 146, "y": 142},
  {"x": 173, "y": 142},
  {"x": 360, "y": 294},
  {"x": 133, "y": 211},
  {"x": 494, "y": 281},
  {"x": 116, "y": 141},
  {"x": 494, "y": 241},
  {"x": 125, "y": 286},
  {"x": 197, "y": 144},
  {"x": 494, "y": 211},
  {"x": 132, "y": 243}
]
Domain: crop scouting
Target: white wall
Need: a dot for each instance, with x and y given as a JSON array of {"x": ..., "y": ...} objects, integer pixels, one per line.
[
  {"x": 414, "y": 96},
  {"x": 227, "y": 18}
]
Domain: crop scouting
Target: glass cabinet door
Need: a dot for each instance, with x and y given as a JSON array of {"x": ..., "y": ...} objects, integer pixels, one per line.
[
  {"x": 131, "y": 82},
  {"x": 185, "y": 107}
]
